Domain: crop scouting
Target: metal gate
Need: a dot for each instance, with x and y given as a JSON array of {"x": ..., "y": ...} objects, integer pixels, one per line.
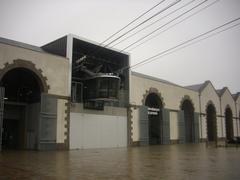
[
  {"x": 196, "y": 127},
  {"x": 1, "y": 114},
  {"x": 181, "y": 126},
  {"x": 47, "y": 123},
  {"x": 165, "y": 126},
  {"x": 144, "y": 125}
]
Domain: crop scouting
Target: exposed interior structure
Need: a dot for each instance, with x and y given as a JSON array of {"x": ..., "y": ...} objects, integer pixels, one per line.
[
  {"x": 97, "y": 70},
  {"x": 99, "y": 89},
  {"x": 100, "y": 76},
  {"x": 211, "y": 123}
]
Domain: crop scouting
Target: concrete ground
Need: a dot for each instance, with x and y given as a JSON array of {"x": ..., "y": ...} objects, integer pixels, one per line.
[{"x": 145, "y": 163}]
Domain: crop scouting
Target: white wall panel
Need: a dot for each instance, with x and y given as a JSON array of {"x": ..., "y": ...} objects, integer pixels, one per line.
[{"x": 97, "y": 131}]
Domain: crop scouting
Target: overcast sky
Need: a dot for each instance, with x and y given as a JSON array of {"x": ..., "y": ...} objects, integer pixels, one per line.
[{"x": 38, "y": 22}]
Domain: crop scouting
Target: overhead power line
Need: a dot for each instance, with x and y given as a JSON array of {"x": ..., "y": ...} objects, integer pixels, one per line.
[
  {"x": 184, "y": 44},
  {"x": 140, "y": 24},
  {"x": 98, "y": 49},
  {"x": 144, "y": 37},
  {"x": 192, "y": 43},
  {"x": 132, "y": 21},
  {"x": 209, "y": 5},
  {"x": 153, "y": 23}
]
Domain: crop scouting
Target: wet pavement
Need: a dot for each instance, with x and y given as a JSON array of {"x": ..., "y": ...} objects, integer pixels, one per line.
[{"x": 144, "y": 163}]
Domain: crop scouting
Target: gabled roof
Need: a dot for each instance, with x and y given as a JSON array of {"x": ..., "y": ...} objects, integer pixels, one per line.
[
  {"x": 20, "y": 44},
  {"x": 235, "y": 96},
  {"x": 221, "y": 91},
  {"x": 198, "y": 87}
]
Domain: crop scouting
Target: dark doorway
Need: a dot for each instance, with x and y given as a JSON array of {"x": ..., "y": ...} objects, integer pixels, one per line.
[
  {"x": 211, "y": 123},
  {"x": 154, "y": 104},
  {"x": 188, "y": 110},
  {"x": 13, "y": 126},
  {"x": 21, "y": 111},
  {"x": 229, "y": 123}
]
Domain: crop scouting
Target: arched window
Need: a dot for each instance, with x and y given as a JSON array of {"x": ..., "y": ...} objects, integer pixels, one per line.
[
  {"x": 211, "y": 123},
  {"x": 188, "y": 109},
  {"x": 229, "y": 123}
]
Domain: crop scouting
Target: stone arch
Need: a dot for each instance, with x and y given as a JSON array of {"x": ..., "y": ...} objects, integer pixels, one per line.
[
  {"x": 184, "y": 98},
  {"x": 155, "y": 91},
  {"x": 23, "y": 83},
  {"x": 228, "y": 106},
  {"x": 210, "y": 103},
  {"x": 19, "y": 63}
]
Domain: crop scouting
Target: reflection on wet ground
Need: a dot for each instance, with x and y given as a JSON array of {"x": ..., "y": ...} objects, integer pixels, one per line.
[{"x": 150, "y": 162}]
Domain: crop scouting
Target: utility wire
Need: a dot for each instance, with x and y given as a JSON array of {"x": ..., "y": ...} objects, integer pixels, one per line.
[
  {"x": 182, "y": 14},
  {"x": 164, "y": 25},
  {"x": 174, "y": 25},
  {"x": 148, "y": 19},
  {"x": 153, "y": 23},
  {"x": 189, "y": 44},
  {"x": 183, "y": 44},
  {"x": 132, "y": 21},
  {"x": 98, "y": 48},
  {"x": 186, "y": 42}
]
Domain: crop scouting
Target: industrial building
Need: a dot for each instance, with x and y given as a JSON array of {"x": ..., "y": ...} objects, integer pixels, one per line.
[
  {"x": 177, "y": 114},
  {"x": 75, "y": 94}
]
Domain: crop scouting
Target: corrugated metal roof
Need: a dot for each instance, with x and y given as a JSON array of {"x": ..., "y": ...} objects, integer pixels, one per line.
[{"x": 20, "y": 44}]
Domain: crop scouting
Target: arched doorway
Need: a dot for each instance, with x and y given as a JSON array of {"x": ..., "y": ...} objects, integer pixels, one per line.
[
  {"x": 229, "y": 123},
  {"x": 188, "y": 109},
  {"x": 211, "y": 123},
  {"x": 154, "y": 104},
  {"x": 22, "y": 106}
]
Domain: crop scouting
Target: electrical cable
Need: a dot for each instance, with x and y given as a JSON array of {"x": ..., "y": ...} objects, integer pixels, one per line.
[
  {"x": 164, "y": 25},
  {"x": 153, "y": 23},
  {"x": 133, "y": 21},
  {"x": 100, "y": 46},
  {"x": 163, "y": 53},
  {"x": 174, "y": 25},
  {"x": 148, "y": 19},
  {"x": 190, "y": 44}
]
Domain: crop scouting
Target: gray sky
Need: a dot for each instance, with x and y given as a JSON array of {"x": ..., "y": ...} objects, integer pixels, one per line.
[{"x": 216, "y": 59}]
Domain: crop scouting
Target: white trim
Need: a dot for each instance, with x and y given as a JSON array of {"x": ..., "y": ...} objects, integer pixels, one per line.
[{"x": 69, "y": 56}]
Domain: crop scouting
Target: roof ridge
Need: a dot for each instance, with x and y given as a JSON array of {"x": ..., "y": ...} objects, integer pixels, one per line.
[{"x": 20, "y": 44}]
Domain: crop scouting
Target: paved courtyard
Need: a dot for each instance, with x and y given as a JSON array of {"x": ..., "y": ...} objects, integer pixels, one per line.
[{"x": 146, "y": 163}]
